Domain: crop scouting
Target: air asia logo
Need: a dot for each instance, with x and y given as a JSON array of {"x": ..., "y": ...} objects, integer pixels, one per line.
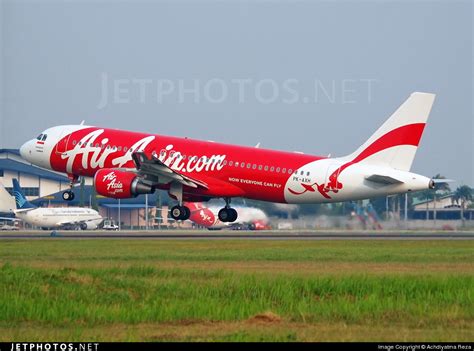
[
  {"x": 206, "y": 217},
  {"x": 333, "y": 185},
  {"x": 179, "y": 162},
  {"x": 95, "y": 153},
  {"x": 113, "y": 186},
  {"x": 409, "y": 134},
  {"x": 100, "y": 153}
]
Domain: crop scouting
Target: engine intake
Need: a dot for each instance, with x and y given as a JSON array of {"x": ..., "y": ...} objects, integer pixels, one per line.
[{"x": 120, "y": 184}]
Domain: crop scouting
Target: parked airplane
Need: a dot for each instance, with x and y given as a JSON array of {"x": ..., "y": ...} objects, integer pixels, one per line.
[
  {"x": 54, "y": 217},
  {"x": 125, "y": 164},
  {"x": 248, "y": 217}
]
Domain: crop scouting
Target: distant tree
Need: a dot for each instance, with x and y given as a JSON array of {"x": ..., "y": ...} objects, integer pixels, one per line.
[
  {"x": 439, "y": 190},
  {"x": 426, "y": 195},
  {"x": 462, "y": 195}
]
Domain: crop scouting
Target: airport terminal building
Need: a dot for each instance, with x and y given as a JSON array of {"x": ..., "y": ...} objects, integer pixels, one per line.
[{"x": 36, "y": 182}]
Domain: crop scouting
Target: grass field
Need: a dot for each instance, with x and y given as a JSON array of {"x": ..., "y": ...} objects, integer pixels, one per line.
[{"x": 236, "y": 290}]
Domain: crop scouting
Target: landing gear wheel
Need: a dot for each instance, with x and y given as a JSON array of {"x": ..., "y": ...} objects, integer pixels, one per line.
[
  {"x": 233, "y": 215},
  {"x": 68, "y": 195},
  {"x": 180, "y": 213},
  {"x": 187, "y": 213},
  {"x": 227, "y": 215}
]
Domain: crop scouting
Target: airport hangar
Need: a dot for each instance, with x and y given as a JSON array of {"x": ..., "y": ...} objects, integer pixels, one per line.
[{"x": 44, "y": 188}]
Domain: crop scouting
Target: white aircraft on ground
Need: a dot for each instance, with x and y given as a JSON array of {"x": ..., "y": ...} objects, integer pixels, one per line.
[{"x": 54, "y": 217}]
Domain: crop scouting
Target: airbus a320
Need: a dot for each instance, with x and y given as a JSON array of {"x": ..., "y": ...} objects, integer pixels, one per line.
[{"x": 125, "y": 164}]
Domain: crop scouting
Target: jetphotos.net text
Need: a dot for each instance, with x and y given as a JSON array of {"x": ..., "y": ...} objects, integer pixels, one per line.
[{"x": 121, "y": 90}]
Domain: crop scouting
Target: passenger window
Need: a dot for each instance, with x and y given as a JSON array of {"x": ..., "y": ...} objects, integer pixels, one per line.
[
  {"x": 242, "y": 164},
  {"x": 254, "y": 166},
  {"x": 290, "y": 171},
  {"x": 302, "y": 173},
  {"x": 284, "y": 170},
  {"x": 266, "y": 168},
  {"x": 307, "y": 173},
  {"x": 230, "y": 163},
  {"x": 278, "y": 169},
  {"x": 260, "y": 167},
  {"x": 125, "y": 149},
  {"x": 74, "y": 142},
  {"x": 272, "y": 169}
]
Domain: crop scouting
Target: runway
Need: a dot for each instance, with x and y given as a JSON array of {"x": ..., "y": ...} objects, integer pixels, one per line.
[{"x": 252, "y": 235}]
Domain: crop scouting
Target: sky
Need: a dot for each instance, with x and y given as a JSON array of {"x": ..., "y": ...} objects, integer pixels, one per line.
[{"x": 313, "y": 76}]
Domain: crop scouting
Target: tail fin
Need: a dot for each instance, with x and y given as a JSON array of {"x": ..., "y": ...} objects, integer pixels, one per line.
[
  {"x": 395, "y": 143},
  {"x": 21, "y": 201}
]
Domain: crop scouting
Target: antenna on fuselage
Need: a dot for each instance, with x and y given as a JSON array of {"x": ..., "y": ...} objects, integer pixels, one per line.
[{"x": 82, "y": 123}]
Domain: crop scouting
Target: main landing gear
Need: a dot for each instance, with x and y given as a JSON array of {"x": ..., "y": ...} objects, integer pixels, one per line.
[
  {"x": 68, "y": 195},
  {"x": 227, "y": 214},
  {"x": 178, "y": 212}
]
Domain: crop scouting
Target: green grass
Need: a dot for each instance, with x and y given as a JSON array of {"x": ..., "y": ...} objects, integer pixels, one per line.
[{"x": 236, "y": 290}]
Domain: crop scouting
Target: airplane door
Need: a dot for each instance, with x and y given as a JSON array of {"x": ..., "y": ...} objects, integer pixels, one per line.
[{"x": 61, "y": 146}]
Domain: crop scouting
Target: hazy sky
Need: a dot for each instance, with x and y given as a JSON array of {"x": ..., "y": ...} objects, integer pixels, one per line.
[{"x": 311, "y": 76}]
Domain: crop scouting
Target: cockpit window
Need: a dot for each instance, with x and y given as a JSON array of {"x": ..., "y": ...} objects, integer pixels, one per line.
[
  {"x": 39, "y": 137},
  {"x": 44, "y": 137}
]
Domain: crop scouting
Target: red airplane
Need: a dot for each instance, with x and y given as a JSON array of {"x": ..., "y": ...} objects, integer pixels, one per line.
[
  {"x": 125, "y": 164},
  {"x": 208, "y": 217}
]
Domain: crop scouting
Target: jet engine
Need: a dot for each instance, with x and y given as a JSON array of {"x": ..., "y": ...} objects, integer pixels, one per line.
[{"x": 120, "y": 184}]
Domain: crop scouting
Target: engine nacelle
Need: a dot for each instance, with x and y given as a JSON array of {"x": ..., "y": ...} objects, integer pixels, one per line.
[{"x": 120, "y": 184}]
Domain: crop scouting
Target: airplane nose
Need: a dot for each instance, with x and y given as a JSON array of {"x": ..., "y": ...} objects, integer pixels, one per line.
[{"x": 25, "y": 150}]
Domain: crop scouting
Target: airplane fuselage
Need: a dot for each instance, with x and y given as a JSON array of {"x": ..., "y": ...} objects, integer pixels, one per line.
[
  {"x": 60, "y": 217},
  {"x": 276, "y": 176}
]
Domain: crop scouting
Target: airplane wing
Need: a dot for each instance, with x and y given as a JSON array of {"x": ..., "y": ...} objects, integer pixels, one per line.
[
  {"x": 76, "y": 222},
  {"x": 383, "y": 179},
  {"x": 155, "y": 167},
  {"x": 23, "y": 210},
  {"x": 10, "y": 219}
]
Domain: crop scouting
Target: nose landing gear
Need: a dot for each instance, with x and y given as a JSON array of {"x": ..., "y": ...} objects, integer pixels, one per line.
[{"x": 68, "y": 195}]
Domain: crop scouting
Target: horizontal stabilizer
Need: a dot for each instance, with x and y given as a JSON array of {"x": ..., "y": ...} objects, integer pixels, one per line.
[{"x": 383, "y": 179}]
